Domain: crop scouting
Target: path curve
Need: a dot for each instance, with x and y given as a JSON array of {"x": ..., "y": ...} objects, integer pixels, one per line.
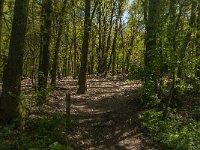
[{"x": 104, "y": 118}]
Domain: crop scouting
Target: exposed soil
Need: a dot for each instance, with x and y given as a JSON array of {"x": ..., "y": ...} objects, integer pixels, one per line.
[{"x": 105, "y": 117}]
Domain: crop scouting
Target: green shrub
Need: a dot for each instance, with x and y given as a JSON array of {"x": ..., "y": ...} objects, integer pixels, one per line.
[
  {"x": 180, "y": 86},
  {"x": 136, "y": 72},
  {"x": 148, "y": 95},
  {"x": 38, "y": 134},
  {"x": 172, "y": 133},
  {"x": 58, "y": 146}
]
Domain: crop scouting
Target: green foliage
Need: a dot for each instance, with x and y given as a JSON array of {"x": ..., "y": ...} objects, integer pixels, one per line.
[
  {"x": 58, "y": 146},
  {"x": 42, "y": 93},
  {"x": 45, "y": 91},
  {"x": 148, "y": 95},
  {"x": 1, "y": 72},
  {"x": 196, "y": 113},
  {"x": 49, "y": 133},
  {"x": 136, "y": 72},
  {"x": 197, "y": 85},
  {"x": 172, "y": 133},
  {"x": 180, "y": 86}
]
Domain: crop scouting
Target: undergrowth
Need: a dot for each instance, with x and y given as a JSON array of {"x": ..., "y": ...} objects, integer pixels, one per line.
[
  {"x": 173, "y": 133},
  {"x": 38, "y": 134}
]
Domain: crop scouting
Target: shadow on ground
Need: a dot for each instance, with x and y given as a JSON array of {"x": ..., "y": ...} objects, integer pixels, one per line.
[
  {"x": 107, "y": 123},
  {"x": 105, "y": 117}
]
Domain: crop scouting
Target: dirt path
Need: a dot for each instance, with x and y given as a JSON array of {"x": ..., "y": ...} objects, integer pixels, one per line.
[{"x": 104, "y": 118}]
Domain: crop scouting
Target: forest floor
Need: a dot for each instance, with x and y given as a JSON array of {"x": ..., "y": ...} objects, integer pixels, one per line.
[{"x": 104, "y": 118}]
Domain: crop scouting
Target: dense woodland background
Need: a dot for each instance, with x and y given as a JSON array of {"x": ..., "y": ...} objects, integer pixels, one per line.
[{"x": 156, "y": 42}]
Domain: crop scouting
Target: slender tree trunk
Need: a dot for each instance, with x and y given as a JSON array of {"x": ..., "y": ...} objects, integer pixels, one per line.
[
  {"x": 33, "y": 49},
  {"x": 92, "y": 53},
  {"x": 44, "y": 51},
  {"x": 129, "y": 52},
  {"x": 103, "y": 26},
  {"x": 197, "y": 67},
  {"x": 113, "y": 63},
  {"x": 70, "y": 61},
  {"x": 172, "y": 38},
  {"x": 123, "y": 52},
  {"x": 108, "y": 44},
  {"x": 117, "y": 63},
  {"x": 57, "y": 45},
  {"x": 113, "y": 51},
  {"x": 65, "y": 62},
  {"x": 187, "y": 39},
  {"x": 165, "y": 112},
  {"x": 1, "y": 15},
  {"x": 104, "y": 41},
  {"x": 75, "y": 72},
  {"x": 114, "y": 43},
  {"x": 99, "y": 68},
  {"x": 84, "y": 51},
  {"x": 145, "y": 7},
  {"x": 11, "y": 89}
]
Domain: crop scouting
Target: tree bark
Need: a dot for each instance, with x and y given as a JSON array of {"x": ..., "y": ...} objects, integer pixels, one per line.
[
  {"x": 197, "y": 67},
  {"x": 172, "y": 38},
  {"x": 113, "y": 50},
  {"x": 1, "y": 15},
  {"x": 151, "y": 53},
  {"x": 44, "y": 51},
  {"x": 187, "y": 39},
  {"x": 11, "y": 88},
  {"x": 57, "y": 45},
  {"x": 84, "y": 51},
  {"x": 75, "y": 71}
]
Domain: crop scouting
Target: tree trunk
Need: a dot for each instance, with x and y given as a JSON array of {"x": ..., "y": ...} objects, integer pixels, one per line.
[
  {"x": 151, "y": 54},
  {"x": 123, "y": 51},
  {"x": 108, "y": 43},
  {"x": 44, "y": 51},
  {"x": 1, "y": 15},
  {"x": 117, "y": 64},
  {"x": 129, "y": 52},
  {"x": 187, "y": 39},
  {"x": 172, "y": 38},
  {"x": 65, "y": 61},
  {"x": 11, "y": 88},
  {"x": 57, "y": 45},
  {"x": 113, "y": 51},
  {"x": 99, "y": 68},
  {"x": 165, "y": 112},
  {"x": 91, "y": 67},
  {"x": 84, "y": 51},
  {"x": 75, "y": 72},
  {"x": 197, "y": 70}
]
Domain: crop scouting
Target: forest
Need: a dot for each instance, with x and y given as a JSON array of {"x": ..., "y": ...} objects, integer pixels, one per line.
[{"x": 99, "y": 74}]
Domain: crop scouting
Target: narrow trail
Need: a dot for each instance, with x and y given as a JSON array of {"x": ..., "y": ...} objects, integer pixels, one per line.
[
  {"x": 107, "y": 123},
  {"x": 105, "y": 117}
]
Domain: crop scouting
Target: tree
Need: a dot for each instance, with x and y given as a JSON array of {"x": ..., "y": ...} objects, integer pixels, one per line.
[
  {"x": 44, "y": 50},
  {"x": 105, "y": 27},
  {"x": 197, "y": 70},
  {"x": 57, "y": 45},
  {"x": 74, "y": 39},
  {"x": 11, "y": 88},
  {"x": 84, "y": 51},
  {"x": 1, "y": 15},
  {"x": 119, "y": 13},
  {"x": 172, "y": 28},
  {"x": 151, "y": 54},
  {"x": 188, "y": 36}
]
